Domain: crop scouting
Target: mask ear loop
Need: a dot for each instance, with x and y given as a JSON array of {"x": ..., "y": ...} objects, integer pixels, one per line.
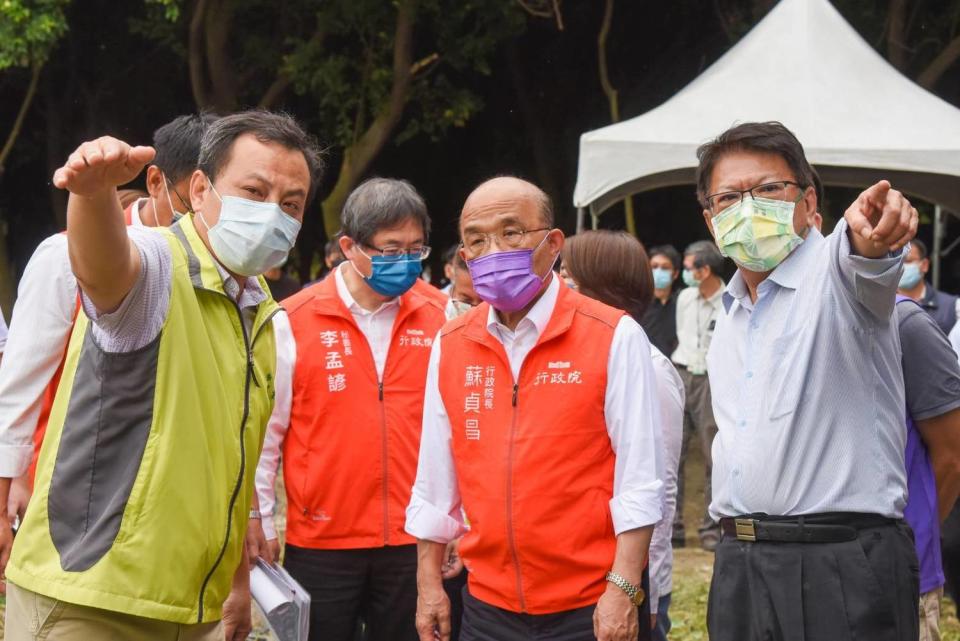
[
  {"x": 552, "y": 265},
  {"x": 200, "y": 213}
]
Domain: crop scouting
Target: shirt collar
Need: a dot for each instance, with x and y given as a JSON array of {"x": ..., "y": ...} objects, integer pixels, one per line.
[
  {"x": 135, "y": 220},
  {"x": 251, "y": 295},
  {"x": 344, "y": 292},
  {"x": 788, "y": 274},
  {"x": 539, "y": 315}
]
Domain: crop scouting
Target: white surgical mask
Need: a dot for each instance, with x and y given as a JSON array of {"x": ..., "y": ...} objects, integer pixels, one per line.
[{"x": 251, "y": 237}]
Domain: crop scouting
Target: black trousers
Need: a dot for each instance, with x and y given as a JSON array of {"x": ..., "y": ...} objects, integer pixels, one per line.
[
  {"x": 485, "y": 622},
  {"x": 377, "y": 586},
  {"x": 856, "y": 590}
]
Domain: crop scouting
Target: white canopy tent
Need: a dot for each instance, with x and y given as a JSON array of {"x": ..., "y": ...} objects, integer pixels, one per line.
[{"x": 858, "y": 118}]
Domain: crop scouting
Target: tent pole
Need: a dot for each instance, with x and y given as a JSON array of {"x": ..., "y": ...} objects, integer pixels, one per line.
[
  {"x": 580, "y": 217},
  {"x": 594, "y": 218},
  {"x": 937, "y": 244}
]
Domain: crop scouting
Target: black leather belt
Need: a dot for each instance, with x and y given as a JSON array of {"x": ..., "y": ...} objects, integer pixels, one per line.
[{"x": 814, "y": 528}]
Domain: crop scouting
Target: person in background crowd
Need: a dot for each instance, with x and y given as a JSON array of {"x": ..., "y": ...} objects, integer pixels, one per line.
[
  {"x": 145, "y": 479},
  {"x": 913, "y": 284},
  {"x": 332, "y": 254},
  {"x": 552, "y": 450},
  {"x": 449, "y": 264},
  {"x": 612, "y": 267},
  {"x": 282, "y": 285},
  {"x": 47, "y": 304},
  {"x": 352, "y": 353},
  {"x": 129, "y": 196},
  {"x": 463, "y": 297},
  {"x": 698, "y": 307},
  {"x": 809, "y": 481},
  {"x": 660, "y": 319}
]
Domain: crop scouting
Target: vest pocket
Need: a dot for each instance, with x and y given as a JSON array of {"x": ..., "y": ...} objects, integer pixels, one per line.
[{"x": 105, "y": 431}]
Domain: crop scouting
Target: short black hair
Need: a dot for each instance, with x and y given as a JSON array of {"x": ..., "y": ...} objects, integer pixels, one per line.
[
  {"x": 764, "y": 137},
  {"x": 265, "y": 126},
  {"x": 670, "y": 252},
  {"x": 178, "y": 144},
  {"x": 382, "y": 203},
  {"x": 921, "y": 247},
  {"x": 450, "y": 255},
  {"x": 333, "y": 246},
  {"x": 705, "y": 254}
]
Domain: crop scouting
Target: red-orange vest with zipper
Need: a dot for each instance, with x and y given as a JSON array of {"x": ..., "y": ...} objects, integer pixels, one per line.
[
  {"x": 350, "y": 453},
  {"x": 533, "y": 458}
]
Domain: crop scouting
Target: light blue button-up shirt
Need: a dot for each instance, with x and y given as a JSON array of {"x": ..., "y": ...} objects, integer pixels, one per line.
[{"x": 807, "y": 387}]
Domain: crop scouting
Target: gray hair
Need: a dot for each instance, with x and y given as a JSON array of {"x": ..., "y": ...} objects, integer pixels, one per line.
[
  {"x": 705, "y": 254},
  {"x": 265, "y": 126},
  {"x": 382, "y": 203}
]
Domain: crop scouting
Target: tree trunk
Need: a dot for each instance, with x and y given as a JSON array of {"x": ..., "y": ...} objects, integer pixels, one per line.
[
  {"x": 21, "y": 116},
  {"x": 897, "y": 34},
  {"x": 358, "y": 156},
  {"x": 613, "y": 99},
  {"x": 939, "y": 65}
]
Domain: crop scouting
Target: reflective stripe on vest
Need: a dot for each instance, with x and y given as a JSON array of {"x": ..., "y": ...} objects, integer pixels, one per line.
[
  {"x": 144, "y": 480},
  {"x": 534, "y": 460},
  {"x": 350, "y": 453}
]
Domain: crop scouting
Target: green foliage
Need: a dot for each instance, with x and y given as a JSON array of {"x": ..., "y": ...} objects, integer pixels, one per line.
[{"x": 29, "y": 29}]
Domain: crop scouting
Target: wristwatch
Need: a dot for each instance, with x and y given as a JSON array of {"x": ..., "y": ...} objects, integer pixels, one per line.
[
  {"x": 635, "y": 592},
  {"x": 255, "y": 514}
]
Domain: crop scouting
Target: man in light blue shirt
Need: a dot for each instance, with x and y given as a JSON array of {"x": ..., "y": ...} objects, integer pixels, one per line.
[{"x": 808, "y": 471}]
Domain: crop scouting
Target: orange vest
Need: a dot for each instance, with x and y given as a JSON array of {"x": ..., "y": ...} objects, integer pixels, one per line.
[
  {"x": 350, "y": 454},
  {"x": 533, "y": 458}
]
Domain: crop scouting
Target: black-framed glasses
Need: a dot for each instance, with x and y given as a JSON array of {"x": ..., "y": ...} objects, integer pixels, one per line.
[
  {"x": 476, "y": 243},
  {"x": 771, "y": 191},
  {"x": 402, "y": 253}
]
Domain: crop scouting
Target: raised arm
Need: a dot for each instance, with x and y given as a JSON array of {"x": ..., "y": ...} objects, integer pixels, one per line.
[{"x": 104, "y": 260}]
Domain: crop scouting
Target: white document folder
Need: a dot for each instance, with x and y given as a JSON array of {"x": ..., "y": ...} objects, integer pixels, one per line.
[{"x": 284, "y": 603}]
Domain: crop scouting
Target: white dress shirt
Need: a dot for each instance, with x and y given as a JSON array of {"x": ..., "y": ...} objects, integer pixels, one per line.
[
  {"x": 808, "y": 387},
  {"x": 630, "y": 407},
  {"x": 39, "y": 330},
  {"x": 696, "y": 317},
  {"x": 376, "y": 327},
  {"x": 671, "y": 395}
]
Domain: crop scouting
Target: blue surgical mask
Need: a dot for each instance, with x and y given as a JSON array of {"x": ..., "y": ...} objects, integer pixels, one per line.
[
  {"x": 662, "y": 278},
  {"x": 689, "y": 280},
  {"x": 251, "y": 236},
  {"x": 392, "y": 277},
  {"x": 911, "y": 275}
]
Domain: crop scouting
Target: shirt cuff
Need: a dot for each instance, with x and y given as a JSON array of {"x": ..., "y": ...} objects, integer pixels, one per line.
[
  {"x": 869, "y": 267},
  {"x": 637, "y": 507},
  {"x": 425, "y": 521},
  {"x": 14, "y": 460},
  {"x": 269, "y": 527}
]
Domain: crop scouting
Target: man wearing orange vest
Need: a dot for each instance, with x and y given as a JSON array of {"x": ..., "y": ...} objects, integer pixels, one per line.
[
  {"x": 541, "y": 425},
  {"x": 47, "y": 304},
  {"x": 352, "y": 353}
]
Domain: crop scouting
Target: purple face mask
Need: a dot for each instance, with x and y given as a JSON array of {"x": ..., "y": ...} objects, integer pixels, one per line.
[{"x": 506, "y": 280}]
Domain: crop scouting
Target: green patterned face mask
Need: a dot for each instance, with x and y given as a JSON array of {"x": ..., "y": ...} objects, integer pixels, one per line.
[{"x": 757, "y": 233}]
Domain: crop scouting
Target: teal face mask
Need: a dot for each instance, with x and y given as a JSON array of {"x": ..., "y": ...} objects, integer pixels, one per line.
[
  {"x": 911, "y": 276},
  {"x": 689, "y": 280},
  {"x": 662, "y": 278},
  {"x": 757, "y": 233}
]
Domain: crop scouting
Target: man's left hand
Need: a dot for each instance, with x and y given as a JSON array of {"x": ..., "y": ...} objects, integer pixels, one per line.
[
  {"x": 615, "y": 617},
  {"x": 256, "y": 544},
  {"x": 881, "y": 220},
  {"x": 236, "y": 615}
]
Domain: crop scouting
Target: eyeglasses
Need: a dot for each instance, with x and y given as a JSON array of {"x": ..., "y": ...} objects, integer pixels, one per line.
[
  {"x": 476, "y": 243},
  {"x": 771, "y": 191},
  {"x": 402, "y": 253}
]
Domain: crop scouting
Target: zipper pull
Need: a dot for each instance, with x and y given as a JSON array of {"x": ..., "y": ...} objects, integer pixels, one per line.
[
  {"x": 516, "y": 389},
  {"x": 380, "y": 383},
  {"x": 253, "y": 371}
]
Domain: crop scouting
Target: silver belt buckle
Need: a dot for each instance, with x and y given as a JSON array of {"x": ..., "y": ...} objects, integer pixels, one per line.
[{"x": 745, "y": 529}]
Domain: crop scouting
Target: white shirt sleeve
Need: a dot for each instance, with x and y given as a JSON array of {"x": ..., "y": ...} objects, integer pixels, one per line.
[
  {"x": 278, "y": 424},
  {"x": 954, "y": 339},
  {"x": 633, "y": 423},
  {"x": 671, "y": 395},
  {"x": 434, "y": 512},
  {"x": 39, "y": 331},
  {"x": 3, "y": 332}
]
